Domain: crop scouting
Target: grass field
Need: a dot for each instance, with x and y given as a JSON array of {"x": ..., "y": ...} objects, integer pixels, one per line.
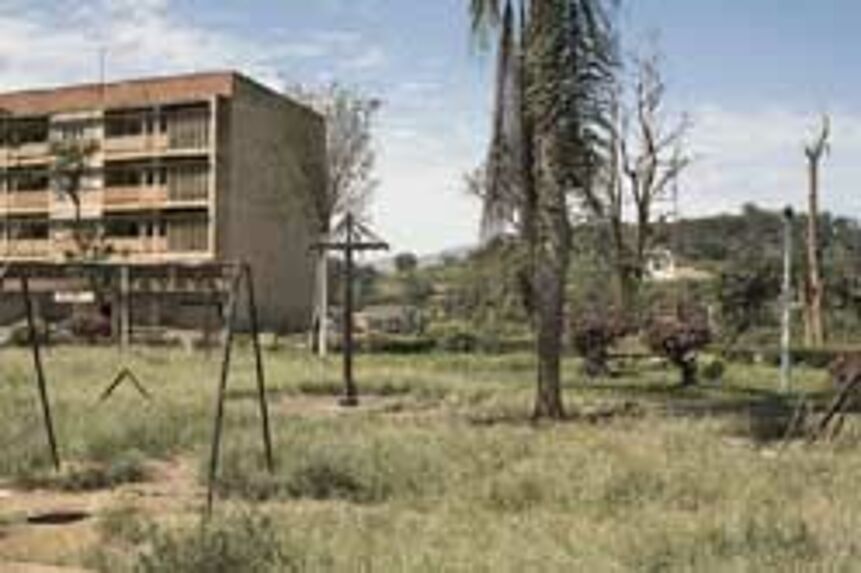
[{"x": 440, "y": 469}]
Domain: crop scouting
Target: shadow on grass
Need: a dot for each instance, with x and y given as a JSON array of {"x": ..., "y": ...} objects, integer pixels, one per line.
[{"x": 761, "y": 415}]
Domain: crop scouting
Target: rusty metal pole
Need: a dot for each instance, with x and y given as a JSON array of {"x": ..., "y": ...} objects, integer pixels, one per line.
[
  {"x": 258, "y": 358},
  {"x": 125, "y": 308},
  {"x": 351, "y": 398},
  {"x": 222, "y": 388},
  {"x": 40, "y": 372}
]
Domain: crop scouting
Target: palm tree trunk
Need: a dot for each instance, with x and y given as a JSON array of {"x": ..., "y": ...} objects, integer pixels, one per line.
[{"x": 551, "y": 267}]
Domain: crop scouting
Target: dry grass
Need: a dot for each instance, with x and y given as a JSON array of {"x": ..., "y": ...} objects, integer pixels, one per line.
[{"x": 442, "y": 470}]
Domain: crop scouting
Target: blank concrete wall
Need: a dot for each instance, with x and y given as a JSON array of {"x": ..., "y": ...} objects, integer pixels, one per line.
[{"x": 275, "y": 162}]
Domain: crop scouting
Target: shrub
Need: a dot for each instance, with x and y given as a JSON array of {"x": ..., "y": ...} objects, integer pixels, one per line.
[
  {"x": 592, "y": 335},
  {"x": 397, "y": 344},
  {"x": 713, "y": 371},
  {"x": 679, "y": 338},
  {"x": 456, "y": 339}
]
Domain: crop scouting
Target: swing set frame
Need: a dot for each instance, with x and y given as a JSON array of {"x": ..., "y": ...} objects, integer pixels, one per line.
[{"x": 223, "y": 280}]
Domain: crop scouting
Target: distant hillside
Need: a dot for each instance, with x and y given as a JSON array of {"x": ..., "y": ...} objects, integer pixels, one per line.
[{"x": 712, "y": 242}]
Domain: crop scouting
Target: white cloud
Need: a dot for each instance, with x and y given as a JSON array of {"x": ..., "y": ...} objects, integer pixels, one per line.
[
  {"x": 41, "y": 47},
  {"x": 371, "y": 58},
  {"x": 757, "y": 156}
]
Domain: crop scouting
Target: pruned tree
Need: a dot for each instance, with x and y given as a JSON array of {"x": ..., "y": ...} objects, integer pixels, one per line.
[
  {"x": 593, "y": 332},
  {"x": 679, "y": 337},
  {"x": 550, "y": 134},
  {"x": 814, "y": 286},
  {"x": 351, "y": 160}
]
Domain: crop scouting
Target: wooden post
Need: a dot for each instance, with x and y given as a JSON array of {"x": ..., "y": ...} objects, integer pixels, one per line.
[
  {"x": 40, "y": 372},
  {"x": 222, "y": 388},
  {"x": 351, "y": 397},
  {"x": 258, "y": 357},
  {"x": 352, "y": 243}
]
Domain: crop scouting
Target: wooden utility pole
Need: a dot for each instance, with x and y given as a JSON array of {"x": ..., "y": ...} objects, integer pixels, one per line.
[
  {"x": 814, "y": 291},
  {"x": 356, "y": 238}
]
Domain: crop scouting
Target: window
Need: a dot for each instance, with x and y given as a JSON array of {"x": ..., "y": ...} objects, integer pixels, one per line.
[
  {"x": 125, "y": 123},
  {"x": 28, "y": 180},
  {"x": 30, "y": 130},
  {"x": 123, "y": 176},
  {"x": 122, "y": 228},
  {"x": 134, "y": 174},
  {"x": 188, "y": 234},
  {"x": 188, "y": 126},
  {"x": 28, "y": 229},
  {"x": 70, "y": 131},
  {"x": 188, "y": 182}
]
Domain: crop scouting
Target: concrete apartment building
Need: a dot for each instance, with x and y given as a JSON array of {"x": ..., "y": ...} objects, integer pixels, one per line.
[{"x": 192, "y": 168}]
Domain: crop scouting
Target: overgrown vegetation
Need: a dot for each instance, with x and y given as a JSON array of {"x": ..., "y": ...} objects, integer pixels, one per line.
[{"x": 442, "y": 467}]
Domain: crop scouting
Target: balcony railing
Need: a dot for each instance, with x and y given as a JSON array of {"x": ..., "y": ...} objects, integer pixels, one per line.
[
  {"x": 27, "y": 154},
  {"x": 30, "y": 201},
  {"x": 133, "y": 145},
  {"x": 183, "y": 134},
  {"x": 138, "y": 245},
  {"x": 25, "y": 248},
  {"x": 135, "y": 197}
]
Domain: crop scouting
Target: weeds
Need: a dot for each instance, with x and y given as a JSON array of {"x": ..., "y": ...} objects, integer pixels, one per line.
[{"x": 473, "y": 487}]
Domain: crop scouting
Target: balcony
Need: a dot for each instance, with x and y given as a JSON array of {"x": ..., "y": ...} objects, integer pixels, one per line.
[
  {"x": 137, "y": 246},
  {"x": 130, "y": 198},
  {"x": 25, "y": 155},
  {"x": 182, "y": 137},
  {"x": 135, "y": 146},
  {"x": 25, "y": 249},
  {"x": 25, "y": 202}
]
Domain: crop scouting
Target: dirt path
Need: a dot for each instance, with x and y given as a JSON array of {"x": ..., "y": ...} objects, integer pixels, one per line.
[{"x": 44, "y": 530}]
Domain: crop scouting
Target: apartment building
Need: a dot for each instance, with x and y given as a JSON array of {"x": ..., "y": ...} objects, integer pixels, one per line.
[{"x": 193, "y": 168}]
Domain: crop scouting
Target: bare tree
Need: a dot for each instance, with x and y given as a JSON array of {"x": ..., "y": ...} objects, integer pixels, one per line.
[
  {"x": 814, "y": 287},
  {"x": 647, "y": 158},
  {"x": 351, "y": 159}
]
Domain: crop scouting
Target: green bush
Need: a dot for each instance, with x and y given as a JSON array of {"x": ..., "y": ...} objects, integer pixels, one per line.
[
  {"x": 397, "y": 344},
  {"x": 713, "y": 371}
]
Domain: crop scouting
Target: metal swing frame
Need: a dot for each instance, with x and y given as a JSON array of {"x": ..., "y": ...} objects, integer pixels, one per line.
[{"x": 234, "y": 274}]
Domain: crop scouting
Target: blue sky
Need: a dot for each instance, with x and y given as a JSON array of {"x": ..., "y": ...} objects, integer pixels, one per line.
[{"x": 753, "y": 74}]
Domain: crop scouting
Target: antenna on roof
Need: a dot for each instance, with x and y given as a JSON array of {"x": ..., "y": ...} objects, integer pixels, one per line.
[{"x": 103, "y": 64}]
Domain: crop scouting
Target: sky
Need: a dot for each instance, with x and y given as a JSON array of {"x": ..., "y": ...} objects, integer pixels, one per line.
[{"x": 753, "y": 75}]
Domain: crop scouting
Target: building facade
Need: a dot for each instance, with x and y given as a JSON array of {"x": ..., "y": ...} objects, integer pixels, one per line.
[{"x": 193, "y": 169}]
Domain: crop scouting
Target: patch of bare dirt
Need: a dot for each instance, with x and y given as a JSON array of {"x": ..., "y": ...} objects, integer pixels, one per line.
[
  {"x": 36, "y": 527},
  {"x": 324, "y": 406}
]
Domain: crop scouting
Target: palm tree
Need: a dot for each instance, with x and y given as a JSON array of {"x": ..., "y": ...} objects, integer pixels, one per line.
[{"x": 551, "y": 133}]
